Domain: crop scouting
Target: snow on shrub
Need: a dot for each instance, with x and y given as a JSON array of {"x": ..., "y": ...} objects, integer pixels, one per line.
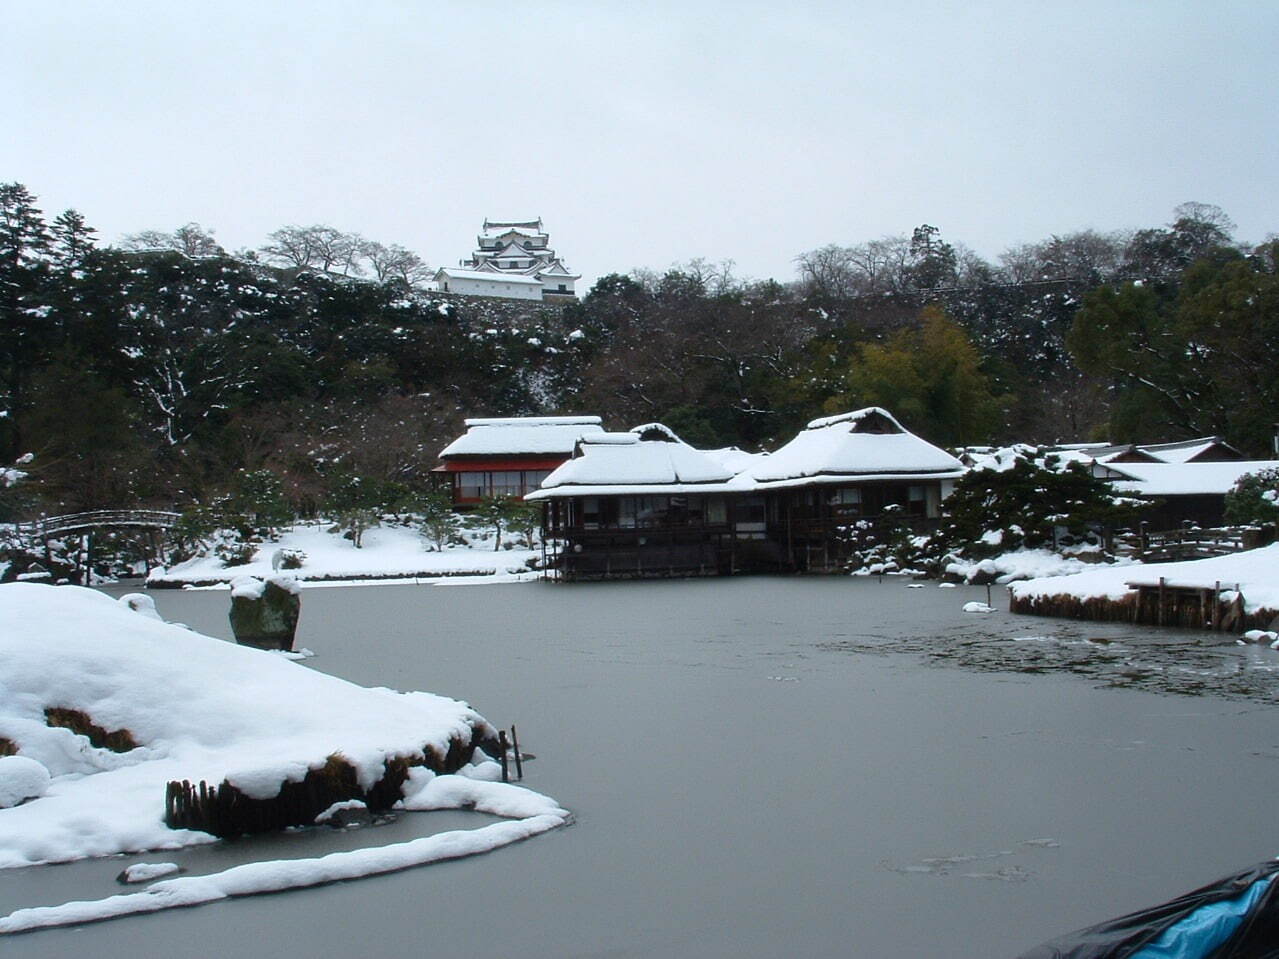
[{"x": 1255, "y": 499}]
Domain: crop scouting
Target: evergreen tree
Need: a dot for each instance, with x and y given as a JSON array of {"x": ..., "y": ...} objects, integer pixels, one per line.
[
  {"x": 931, "y": 378},
  {"x": 1255, "y": 499},
  {"x": 1191, "y": 360},
  {"x": 439, "y": 521},
  {"x": 24, "y": 323},
  {"x": 1037, "y": 501}
]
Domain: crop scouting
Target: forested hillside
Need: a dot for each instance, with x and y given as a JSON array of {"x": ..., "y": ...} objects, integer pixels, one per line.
[{"x": 159, "y": 371}]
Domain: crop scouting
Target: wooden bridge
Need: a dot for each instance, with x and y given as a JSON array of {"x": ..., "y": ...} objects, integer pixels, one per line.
[
  {"x": 151, "y": 523},
  {"x": 100, "y": 519},
  {"x": 1175, "y": 545}
]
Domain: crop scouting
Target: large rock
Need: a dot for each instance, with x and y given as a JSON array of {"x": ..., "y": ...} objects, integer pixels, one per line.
[
  {"x": 264, "y": 613},
  {"x": 21, "y": 779}
]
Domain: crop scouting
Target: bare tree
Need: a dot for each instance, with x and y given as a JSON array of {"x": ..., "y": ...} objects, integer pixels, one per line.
[
  {"x": 394, "y": 262},
  {"x": 316, "y": 247},
  {"x": 190, "y": 239},
  {"x": 717, "y": 279},
  {"x": 879, "y": 266},
  {"x": 1085, "y": 255}
]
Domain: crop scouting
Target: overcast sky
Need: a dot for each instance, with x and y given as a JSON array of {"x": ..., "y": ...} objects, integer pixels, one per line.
[{"x": 644, "y": 133}]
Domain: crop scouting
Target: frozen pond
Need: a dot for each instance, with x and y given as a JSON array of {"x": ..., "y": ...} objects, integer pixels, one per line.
[{"x": 761, "y": 767}]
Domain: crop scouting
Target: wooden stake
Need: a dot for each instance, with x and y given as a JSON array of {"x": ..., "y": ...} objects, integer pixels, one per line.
[
  {"x": 502, "y": 745},
  {"x": 515, "y": 745}
]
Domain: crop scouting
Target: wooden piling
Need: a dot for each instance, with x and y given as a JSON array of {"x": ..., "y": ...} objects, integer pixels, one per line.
[
  {"x": 519, "y": 761},
  {"x": 225, "y": 811},
  {"x": 502, "y": 743}
]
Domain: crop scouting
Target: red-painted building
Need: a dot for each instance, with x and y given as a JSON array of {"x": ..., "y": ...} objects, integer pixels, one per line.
[{"x": 510, "y": 456}]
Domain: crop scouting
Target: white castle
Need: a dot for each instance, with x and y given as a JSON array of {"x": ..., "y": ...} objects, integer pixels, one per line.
[{"x": 514, "y": 260}]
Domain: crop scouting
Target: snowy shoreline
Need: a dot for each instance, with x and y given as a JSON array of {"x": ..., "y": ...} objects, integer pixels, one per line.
[
  {"x": 389, "y": 554},
  {"x": 1254, "y": 573}
]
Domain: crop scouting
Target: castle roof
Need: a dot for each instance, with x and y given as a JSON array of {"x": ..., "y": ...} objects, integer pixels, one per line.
[{"x": 493, "y": 275}]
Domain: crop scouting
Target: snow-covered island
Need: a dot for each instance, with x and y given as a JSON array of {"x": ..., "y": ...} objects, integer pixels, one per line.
[{"x": 102, "y": 710}]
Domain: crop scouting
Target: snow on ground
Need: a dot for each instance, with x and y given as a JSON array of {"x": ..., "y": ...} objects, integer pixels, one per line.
[
  {"x": 388, "y": 553},
  {"x": 1020, "y": 564},
  {"x": 1255, "y": 572}
]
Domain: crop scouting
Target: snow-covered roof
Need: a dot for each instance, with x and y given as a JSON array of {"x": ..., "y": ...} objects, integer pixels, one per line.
[
  {"x": 556, "y": 267},
  {"x": 867, "y": 443},
  {"x": 511, "y": 249},
  {"x": 1001, "y": 459},
  {"x": 1188, "y": 450},
  {"x": 1181, "y": 451},
  {"x": 493, "y": 230},
  {"x": 649, "y": 459},
  {"x": 731, "y": 458},
  {"x": 491, "y": 276},
  {"x": 1184, "y": 479},
  {"x": 522, "y": 434}
]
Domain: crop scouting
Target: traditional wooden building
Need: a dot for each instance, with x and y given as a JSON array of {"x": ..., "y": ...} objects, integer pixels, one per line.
[
  {"x": 1187, "y": 481},
  {"x": 509, "y": 456},
  {"x": 1182, "y": 493},
  {"x": 645, "y": 503}
]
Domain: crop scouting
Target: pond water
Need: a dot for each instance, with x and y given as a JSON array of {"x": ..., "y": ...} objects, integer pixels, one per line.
[{"x": 760, "y": 767}]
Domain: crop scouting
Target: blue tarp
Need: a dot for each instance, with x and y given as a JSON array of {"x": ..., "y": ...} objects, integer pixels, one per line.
[
  {"x": 1205, "y": 929},
  {"x": 1236, "y": 917}
]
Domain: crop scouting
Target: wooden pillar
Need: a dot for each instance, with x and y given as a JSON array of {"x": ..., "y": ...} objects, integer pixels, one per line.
[
  {"x": 88, "y": 558},
  {"x": 790, "y": 538}
]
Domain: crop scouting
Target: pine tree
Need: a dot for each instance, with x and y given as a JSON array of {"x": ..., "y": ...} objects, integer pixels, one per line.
[{"x": 24, "y": 324}]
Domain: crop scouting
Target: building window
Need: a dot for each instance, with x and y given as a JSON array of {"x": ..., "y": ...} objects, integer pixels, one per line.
[
  {"x": 716, "y": 511},
  {"x": 749, "y": 514},
  {"x": 470, "y": 485},
  {"x": 917, "y": 501},
  {"x": 845, "y": 502}
]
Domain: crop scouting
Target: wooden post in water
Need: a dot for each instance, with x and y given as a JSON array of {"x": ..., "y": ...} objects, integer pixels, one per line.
[
  {"x": 503, "y": 745},
  {"x": 515, "y": 746}
]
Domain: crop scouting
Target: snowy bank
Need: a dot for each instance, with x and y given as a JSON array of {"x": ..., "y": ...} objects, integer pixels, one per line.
[
  {"x": 388, "y": 553},
  {"x": 1251, "y": 578},
  {"x": 1023, "y": 564},
  {"x": 115, "y": 706},
  {"x": 528, "y": 814}
]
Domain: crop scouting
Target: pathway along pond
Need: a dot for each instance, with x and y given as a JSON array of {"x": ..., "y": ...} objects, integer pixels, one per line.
[{"x": 761, "y": 767}]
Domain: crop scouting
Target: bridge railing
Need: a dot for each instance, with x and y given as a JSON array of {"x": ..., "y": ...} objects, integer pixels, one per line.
[{"x": 98, "y": 519}]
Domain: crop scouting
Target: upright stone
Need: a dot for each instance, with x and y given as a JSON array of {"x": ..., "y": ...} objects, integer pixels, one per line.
[{"x": 264, "y": 613}]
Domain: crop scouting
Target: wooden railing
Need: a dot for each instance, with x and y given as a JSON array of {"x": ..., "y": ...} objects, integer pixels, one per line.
[
  {"x": 99, "y": 519},
  {"x": 1174, "y": 545}
]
